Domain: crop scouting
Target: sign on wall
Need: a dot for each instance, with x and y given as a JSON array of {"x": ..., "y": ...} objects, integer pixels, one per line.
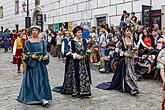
[
  {"x": 156, "y": 18},
  {"x": 56, "y": 27},
  {"x": 70, "y": 26},
  {"x": 39, "y": 21},
  {"x": 146, "y": 10}
]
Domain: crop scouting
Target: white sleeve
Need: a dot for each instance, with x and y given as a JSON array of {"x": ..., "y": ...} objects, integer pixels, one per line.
[
  {"x": 74, "y": 55},
  {"x": 62, "y": 47},
  {"x": 141, "y": 41},
  {"x": 135, "y": 44},
  {"x": 70, "y": 51},
  {"x": 15, "y": 47},
  {"x": 101, "y": 39},
  {"x": 87, "y": 40}
]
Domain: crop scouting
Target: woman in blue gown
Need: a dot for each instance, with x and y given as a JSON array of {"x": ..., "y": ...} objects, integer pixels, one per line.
[
  {"x": 35, "y": 87},
  {"x": 124, "y": 79},
  {"x": 77, "y": 77}
]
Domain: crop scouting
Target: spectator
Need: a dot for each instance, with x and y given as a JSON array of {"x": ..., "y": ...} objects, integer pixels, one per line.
[
  {"x": 133, "y": 18},
  {"x": 103, "y": 44},
  {"x": 59, "y": 43},
  {"x": 159, "y": 41},
  {"x": 123, "y": 15},
  {"x": 65, "y": 42},
  {"x": 123, "y": 19},
  {"x": 117, "y": 33},
  {"x": 85, "y": 33},
  {"x": 163, "y": 32},
  {"x": 93, "y": 32},
  {"x": 53, "y": 46},
  {"x": 49, "y": 42},
  {"x": 156, "y": 28},
  {"x": 161, "y": 64},
  {"x": 148, "y": 39},
  {"x": 128, "y": 20},
  {"x": 107, "y": 28}
]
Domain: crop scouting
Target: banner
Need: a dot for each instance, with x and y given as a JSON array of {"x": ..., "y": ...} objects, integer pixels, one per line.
[
  {"x": 56, "y": 27},
  {"x": 70, "y": 26},
  {"x": 156, "y": 18},
  {"x": 39, "y": 21},
  {"x": 64, "y": 25},
  {"x": 86, "y": 24},
  {"x": 146, "y": 10}
]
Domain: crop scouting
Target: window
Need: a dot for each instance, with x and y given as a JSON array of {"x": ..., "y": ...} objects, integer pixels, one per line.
[
  {"x": 1, "y": 12},
  {"x": 16, "y": 6}
]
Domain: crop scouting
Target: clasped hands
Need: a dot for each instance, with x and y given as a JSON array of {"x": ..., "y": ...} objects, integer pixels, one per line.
[
  {"x": 79, "y": 57},
  {"x": 126, "y": 54},
  {"x": 36, "y": 57}
]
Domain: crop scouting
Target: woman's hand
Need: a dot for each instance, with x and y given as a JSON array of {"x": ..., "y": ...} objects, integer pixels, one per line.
[
  {"x": 34, "y": 57},
  {"x": 79, "y": 57},
  {"x": 126, "y": 54},
  {"x": 45, "y": 57},
  {"x": 150, "y": 48}
]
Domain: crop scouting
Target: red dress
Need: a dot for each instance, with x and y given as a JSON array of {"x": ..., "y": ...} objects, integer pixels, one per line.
[{"x": 147, "y": 41}]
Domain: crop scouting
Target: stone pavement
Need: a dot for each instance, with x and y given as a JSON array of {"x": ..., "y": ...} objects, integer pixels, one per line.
[{"x": 148, "y": 99}]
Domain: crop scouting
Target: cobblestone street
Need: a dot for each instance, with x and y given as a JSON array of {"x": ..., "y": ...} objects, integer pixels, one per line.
[{"x": 149, "y": 98}]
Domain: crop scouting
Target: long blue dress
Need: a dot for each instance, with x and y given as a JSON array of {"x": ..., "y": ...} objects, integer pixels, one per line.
[{"x": 35, "y": 85}]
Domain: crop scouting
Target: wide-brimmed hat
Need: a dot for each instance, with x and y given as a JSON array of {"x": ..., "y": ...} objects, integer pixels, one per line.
[{"x": 35, "y": 27}]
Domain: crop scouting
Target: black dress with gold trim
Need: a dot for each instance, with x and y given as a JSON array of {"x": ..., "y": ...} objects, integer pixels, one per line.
[{"x": 77, "y": 79}]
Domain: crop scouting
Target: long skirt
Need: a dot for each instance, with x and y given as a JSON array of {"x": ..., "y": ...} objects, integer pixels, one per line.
[
  {"x": 124, "y": 79},
  {"x": 77, "y": 78},
  {"x": 35, "y": 85}
]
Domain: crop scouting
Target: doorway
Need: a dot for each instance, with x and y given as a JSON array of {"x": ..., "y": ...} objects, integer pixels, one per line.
[
  {"x": 17, "y": 27},
  {"x": 100, "y": 20},
  {"x": 163, "y": 16},
  {"x": 1, "y": 28}
]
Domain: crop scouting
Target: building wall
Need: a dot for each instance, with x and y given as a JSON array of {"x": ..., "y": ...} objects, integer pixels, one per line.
[
  {"x": 10, "y": 19},
  {"x": 75, "y": 10}
]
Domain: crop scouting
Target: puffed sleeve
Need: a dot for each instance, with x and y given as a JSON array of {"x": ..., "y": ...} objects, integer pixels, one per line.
[
  {"x": 27, "y": 51},
  {"x": 72, "y": 50},
  {"x": 45, "y": 52},
  {"x": 120, "y": 48}
]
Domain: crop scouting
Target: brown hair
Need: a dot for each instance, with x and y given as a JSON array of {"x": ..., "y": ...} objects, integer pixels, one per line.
[{"x": 76, "y": 29}]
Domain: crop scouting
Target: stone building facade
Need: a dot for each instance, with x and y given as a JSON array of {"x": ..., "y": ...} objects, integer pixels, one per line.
[{"x": 73, "y": 12}]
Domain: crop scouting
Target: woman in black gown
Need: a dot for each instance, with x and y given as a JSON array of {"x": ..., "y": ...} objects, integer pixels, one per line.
[{"x": 77, "y": 78}]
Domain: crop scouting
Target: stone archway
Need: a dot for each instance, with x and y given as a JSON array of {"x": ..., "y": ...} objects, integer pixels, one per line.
[{"x": 36, "y": 11}]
